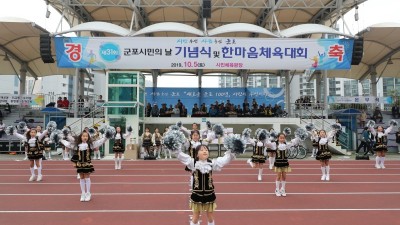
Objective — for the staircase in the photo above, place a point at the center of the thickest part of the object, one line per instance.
(88, 120)
(325, 124)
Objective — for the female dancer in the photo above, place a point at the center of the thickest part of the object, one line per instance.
(380, 146)
(119, 147)
(258, 158)
(271, 152)
(156, 139)
(324, 154)
(83, 145)
(146, 141)
(34, 149)
(167, 151)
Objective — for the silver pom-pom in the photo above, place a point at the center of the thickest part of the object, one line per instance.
(246, 133)
(65, 131)
(21, 125)
(92, 131)
(301, 134)
(336, 126)
(51, 126)
(179, 124)
(218, 130)
(174, 127)
(235, 144)
(56, 136)
(102, 128)
(310, 126)
(209, 125)
(174, 139)
(109, 132)
(393, 123)
(287, 131)
(258, 130)
(10, 130)
(262, 135)
(273, 135)
(370, 123)
(129, 129)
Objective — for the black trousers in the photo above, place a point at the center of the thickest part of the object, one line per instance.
(362, 144)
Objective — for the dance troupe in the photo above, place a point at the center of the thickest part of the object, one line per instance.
(192, 151)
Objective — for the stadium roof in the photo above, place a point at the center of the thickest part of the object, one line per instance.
(381, 53)
(19, 49)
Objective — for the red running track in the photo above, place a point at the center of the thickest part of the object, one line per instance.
(156, 193)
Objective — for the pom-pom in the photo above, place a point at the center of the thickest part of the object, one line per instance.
(65, 131)
(103, 128)
(262, 135)
(310, 126)
(235, 144)
(179, 124)
(92, 131)
(370, 123)
(287, 131)
(301, 134)
(109, 132)
(129, 129)
(336, 126)
(209, 126)
(174, 139)
(393, 123)
(10, 130)
(173, 127)
(55, 136)
(258, 130)
(21, 125)
(246, 133)
(218, 130)
(51, 126)
(273, 135)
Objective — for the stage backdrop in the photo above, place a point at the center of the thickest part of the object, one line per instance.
(190, 96)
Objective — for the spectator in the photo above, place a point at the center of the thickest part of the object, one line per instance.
(221, 110)
(81, 102)
(254, 103)
(213, 111)
(176, 112)
(377, 115)
(398, 140)
(171, 109)
(183, 112)
(246, 111)
(2, 128)
(100, 101)
(239, 111)
(60, 103)
(203, 108)
(155, 111)
(179, 104)
(163, 110)
(395, 111)
(195, 109)
(65, 103)
(8, 108)
(365, 141)
(148, 110)
(245, 103)
(363, 118)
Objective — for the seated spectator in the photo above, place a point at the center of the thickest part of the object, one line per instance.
(148, 110)
(65, 103)
(221, 110)
(254, 103)
(239, 110)
(278, 111)
(268, 112)
(176, 112)
(203, 108)
(213, 111)
(8, 108)
(246, 111)
(195, 109)
(254, 110)
(60, 103)
(245, 103)
(155, 111)
(163, 110)
(183, 112)
(377, 115)
(100, 101)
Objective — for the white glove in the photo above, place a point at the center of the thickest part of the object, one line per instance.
(210, 136)
(323, 141)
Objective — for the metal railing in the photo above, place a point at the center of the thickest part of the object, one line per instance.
(88, 120)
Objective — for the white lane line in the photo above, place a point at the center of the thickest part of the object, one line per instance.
(219, 193)
(226, 182)
(185, 210)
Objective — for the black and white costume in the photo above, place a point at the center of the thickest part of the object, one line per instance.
(156, 139)
(119, 148)
(191, 147)
(380, 145)
(325, 154)
(146, 142)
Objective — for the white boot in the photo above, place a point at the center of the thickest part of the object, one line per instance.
(382, 162)
(260, 171)
(377, 162)
(327, 178)
(211, 223)
(116, 163)
(250, 163)
(323, 173)
(119, 163)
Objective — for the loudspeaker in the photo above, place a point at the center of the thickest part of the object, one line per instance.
(150, 157)
(362, 157)
(45, 48)
(358, 51)
(206, 10)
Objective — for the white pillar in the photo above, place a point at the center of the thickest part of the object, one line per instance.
(154, 74)
(200, 77)
(325, 82)
(318, 87)
(76, 92)
(82, 83)
(287, 92)
(374, 92)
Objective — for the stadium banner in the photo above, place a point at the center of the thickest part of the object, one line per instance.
(190, 96)
(22, 100)
(360, 100)
(179, 53)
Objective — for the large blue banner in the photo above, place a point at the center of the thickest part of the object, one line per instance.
(190, 96)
